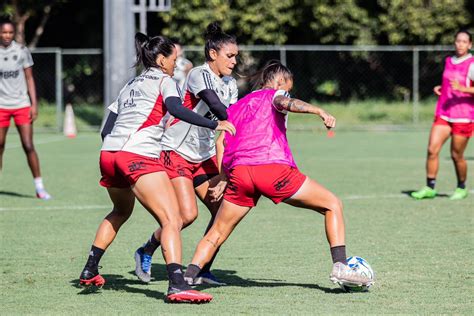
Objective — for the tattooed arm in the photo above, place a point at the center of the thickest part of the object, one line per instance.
(297, 106)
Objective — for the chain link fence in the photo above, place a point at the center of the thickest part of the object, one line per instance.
(325, 74)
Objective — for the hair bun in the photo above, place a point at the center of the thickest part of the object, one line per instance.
(212, 29)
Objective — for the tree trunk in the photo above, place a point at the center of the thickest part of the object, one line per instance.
(40, 29)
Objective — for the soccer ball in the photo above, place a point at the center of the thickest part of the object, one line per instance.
(363, 267)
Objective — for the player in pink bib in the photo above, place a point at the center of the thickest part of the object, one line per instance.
(258, 161)
(454, 117)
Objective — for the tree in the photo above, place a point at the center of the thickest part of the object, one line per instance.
(262, 22)
(21, 11)
(422, 21)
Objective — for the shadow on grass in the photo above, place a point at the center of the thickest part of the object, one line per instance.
(116, 282)
(231, 278)
(15, 194)
(409, 192)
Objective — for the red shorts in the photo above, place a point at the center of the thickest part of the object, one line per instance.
(20, 116)
(177, 166)
(275, 181)
(121, 169)
(461, 129)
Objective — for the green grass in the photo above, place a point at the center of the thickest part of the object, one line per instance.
(276, 262)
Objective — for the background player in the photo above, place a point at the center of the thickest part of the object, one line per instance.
(183, 65)
(189, 154)
(130, 164)
(18, 100)
(258, 162)
(454, 117)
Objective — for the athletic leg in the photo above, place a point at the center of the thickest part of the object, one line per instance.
(227, 218)
(202, 191)
(123, 201)
(438, 136)
(188, 210)
(458, 146)
(3, 138)
(26, 136)
(155, 192)
(314, 196)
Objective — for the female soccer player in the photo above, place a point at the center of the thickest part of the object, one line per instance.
(18, 100)
(258, 161)
(189, 154)
(130, 164)
(454, 117)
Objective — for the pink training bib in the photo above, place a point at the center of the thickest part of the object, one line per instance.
(261, 133)
(455, 106)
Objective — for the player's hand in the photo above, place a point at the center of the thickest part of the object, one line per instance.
(455, 85)
(217, 192)
(33, 112)
(328, 120)
(169, 122)
(226, 126)
(437, 90)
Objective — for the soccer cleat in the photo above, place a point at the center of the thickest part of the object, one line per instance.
(458, 194)
(207, 278)
(343, 275)
(89, 278)
(43, 195)
(425, 193)
(143, 265)
(176, 295)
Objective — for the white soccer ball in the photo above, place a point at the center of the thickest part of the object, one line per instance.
(363, 267)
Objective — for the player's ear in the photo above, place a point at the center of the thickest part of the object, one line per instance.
(160, 60)
(213, 54)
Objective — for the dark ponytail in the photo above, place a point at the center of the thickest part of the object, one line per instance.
(148, 49)
(215, 39)
(268, 73)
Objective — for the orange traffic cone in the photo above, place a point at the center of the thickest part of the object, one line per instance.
(69, 127)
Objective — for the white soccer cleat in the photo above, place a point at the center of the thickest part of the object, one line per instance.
(43, 195)
(343, 275)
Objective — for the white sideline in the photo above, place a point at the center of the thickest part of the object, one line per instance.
(107, 206)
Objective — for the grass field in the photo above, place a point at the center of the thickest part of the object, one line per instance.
(276, 262)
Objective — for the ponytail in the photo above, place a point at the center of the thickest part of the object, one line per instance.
(268, 73)
(147, 49)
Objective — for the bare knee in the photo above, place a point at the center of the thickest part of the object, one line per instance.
(433, 152)
(457, 156)
(29, 148)
(175, 223)
(335, 205)
(119, 216)
(188, 217)
(2, 148)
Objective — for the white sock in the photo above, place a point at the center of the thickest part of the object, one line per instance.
(38, 183)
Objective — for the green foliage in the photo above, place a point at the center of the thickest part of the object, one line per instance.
(262, 22)
(422, 22)
(340, 21)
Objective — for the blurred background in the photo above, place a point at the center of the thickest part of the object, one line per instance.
(371, 63)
